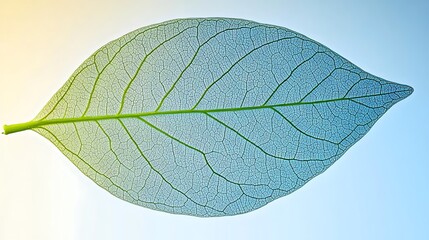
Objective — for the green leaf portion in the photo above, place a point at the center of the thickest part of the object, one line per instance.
(211, 117)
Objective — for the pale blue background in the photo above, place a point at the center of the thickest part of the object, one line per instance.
(377, 190)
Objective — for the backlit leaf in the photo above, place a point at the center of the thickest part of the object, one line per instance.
(211, 117)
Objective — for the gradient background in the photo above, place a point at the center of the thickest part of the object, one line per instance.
(377, 190)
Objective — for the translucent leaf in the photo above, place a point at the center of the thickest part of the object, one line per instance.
(211, 117)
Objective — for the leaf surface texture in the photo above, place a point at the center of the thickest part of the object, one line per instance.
(212, 117)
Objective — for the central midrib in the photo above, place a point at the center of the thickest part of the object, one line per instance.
(172, 112)
(34, 124)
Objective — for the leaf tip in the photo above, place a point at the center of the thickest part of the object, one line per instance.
(408, 90)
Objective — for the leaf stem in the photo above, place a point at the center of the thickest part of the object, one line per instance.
(13, 128)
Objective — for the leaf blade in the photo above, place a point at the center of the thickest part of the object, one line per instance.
(212, 117)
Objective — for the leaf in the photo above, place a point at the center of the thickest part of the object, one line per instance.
(211, 117)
